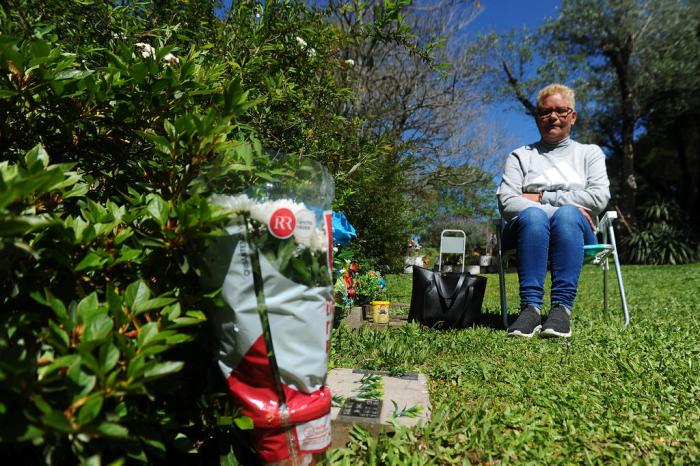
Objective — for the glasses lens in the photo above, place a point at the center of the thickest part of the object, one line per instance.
(560, 111)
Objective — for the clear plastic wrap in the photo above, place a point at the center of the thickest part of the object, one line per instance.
(274, 271)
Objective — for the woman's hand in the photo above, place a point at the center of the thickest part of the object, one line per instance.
(588, 217)
(534, 197)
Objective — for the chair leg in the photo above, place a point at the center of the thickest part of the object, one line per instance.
(605, 286)
(502, 289)
(618, 271)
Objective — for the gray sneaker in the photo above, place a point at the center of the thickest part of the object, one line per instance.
(528, 323)
(557, 323)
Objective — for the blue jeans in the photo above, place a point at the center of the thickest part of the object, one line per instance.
(560, 239)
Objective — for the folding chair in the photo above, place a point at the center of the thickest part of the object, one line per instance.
(597, 254)
(452, 244)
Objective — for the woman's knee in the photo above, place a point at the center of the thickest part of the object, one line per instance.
(568, 216)
(533, 221)
(533, 216)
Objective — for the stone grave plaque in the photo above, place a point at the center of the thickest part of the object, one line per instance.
(405, 389)
(359, 410)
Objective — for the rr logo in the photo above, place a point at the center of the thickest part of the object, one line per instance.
(282, 223)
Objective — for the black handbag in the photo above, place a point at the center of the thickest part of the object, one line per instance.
(446, 299)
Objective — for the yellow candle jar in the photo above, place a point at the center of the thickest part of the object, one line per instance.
(380, 312)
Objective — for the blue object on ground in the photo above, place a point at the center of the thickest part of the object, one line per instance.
(343, 232)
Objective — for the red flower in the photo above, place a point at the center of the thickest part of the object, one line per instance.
(352, 292)
(348, 280)
(354, 267)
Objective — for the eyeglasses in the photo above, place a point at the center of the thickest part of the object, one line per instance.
(562, 112)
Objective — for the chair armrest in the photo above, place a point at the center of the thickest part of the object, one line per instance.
(606, 221)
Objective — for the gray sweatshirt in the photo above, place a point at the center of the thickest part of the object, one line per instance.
(566, 172)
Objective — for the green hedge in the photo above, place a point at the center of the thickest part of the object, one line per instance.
(117, 119)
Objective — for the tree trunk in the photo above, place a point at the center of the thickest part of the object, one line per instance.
(685, 198)
(620, 60)
(629, 192)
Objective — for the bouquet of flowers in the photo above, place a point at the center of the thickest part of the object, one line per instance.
(354, 288)
(370, 286)
(274, 324)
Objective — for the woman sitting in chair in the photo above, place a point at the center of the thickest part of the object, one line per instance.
(549, 193)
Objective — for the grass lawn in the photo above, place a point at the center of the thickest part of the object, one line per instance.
(608, 394)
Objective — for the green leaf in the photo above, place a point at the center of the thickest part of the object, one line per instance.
(178, 338)
(153, 349)
(147, 333)
(94, 460)
(31, 433)
(152, 304)
(136, 294)
(244, 423)
(91, 261)
(136, 367)
(91, 409)
(114, 304)
(127, 254)
(7, 93)
(57, 421)
(41, 404)
(155, 444)
(88, 306)
(139, 72)
(223, 421)
(158, 209)
(110, 429)
(170, 129)
(36, 159)
(21, 225)
(97, 328)
(73, 74)
(83, 382)
(60, 333)
(57, 306)
(123, 236)
(163, 369)
(63, 361)
(109, 356)
(162, 143)
(79, 190)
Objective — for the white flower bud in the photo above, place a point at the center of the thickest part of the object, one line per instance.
(146, 50)
(171, 59)
(301, 42)
(350, 62)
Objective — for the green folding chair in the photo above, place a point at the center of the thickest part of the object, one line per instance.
(597, 254)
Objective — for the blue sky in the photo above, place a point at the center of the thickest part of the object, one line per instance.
(500, 16)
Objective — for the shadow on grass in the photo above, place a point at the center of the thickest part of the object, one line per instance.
(494, 321)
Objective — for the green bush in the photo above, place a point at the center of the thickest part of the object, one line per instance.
(662, 237)
(86, 343)
(117, 119)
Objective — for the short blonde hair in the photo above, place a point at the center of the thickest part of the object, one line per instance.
(566, 92)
